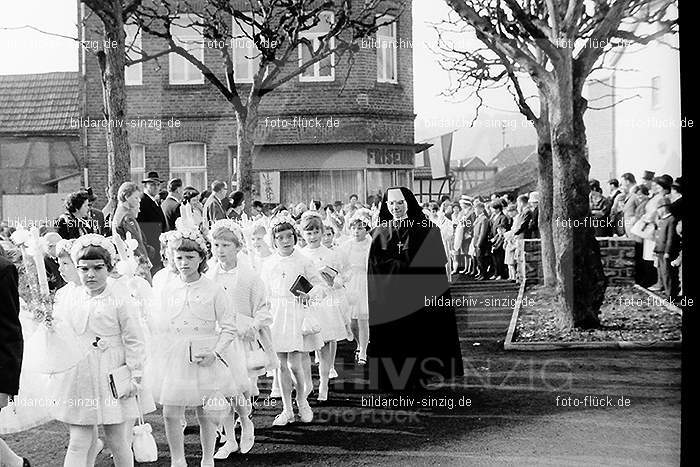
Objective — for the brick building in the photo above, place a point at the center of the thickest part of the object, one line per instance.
(364, 141)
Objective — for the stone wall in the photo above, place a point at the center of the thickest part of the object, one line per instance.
(617, 255)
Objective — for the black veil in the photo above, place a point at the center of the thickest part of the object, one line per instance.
(413, 211)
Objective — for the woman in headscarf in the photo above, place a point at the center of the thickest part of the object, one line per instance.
(413, 329)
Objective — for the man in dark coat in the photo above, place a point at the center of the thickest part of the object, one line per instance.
(413, 329)
(11, 348)
(482, 247)
(499, 220)
(96, 219)
(171, 204)
(213, 207)
(151, 219)
(11, 343)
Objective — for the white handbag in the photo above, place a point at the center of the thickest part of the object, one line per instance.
(256, 358)
(144, 445)
(310, 325)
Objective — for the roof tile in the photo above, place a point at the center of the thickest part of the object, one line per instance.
(38, 103)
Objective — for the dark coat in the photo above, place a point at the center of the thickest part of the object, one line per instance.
(152, 223)
(213, 210)
(171, 211)
(11, 342)
(501, 220)
(482, 228)
(406, 265)
(97, 222)
(70, 227)
(666, 239)
(534, 227)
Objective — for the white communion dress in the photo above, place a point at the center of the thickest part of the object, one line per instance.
(329, 310)
(355, 254)
(108, 326)
(279, 273)
(190, 313)
(247, 295)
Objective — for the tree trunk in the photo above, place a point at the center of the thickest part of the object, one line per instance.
(245, 136)
(580, 279)
(112, 61)
(544, 188)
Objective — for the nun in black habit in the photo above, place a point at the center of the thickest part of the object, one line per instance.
(413, 332)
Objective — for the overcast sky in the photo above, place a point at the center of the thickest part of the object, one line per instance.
(27, 51)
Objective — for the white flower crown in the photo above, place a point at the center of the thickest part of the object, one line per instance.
(64, 246)
(362, 214)
(227, 224)
(92, 240)
(281, 218)
(189, 234)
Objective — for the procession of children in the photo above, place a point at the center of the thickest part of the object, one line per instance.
(243, 302)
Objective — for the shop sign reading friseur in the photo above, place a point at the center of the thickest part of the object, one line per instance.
(390, 156)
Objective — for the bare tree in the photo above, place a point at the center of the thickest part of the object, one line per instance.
(112, 59)
(556, 44)
(277, 29)
(479, 69)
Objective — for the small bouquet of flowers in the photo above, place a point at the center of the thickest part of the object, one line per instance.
(52, 347)
(34, 285)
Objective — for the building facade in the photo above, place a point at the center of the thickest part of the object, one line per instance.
(331, 132)
(634, 118)
(471, 172)
(39, 151)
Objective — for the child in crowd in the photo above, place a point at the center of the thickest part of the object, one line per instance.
(667, 248)
(328, 311)
(195, 325)
(259, 250)
(107, 326)
(329, 233)
(330, 241)
(290, 338)
(355, 251)
(247, 294)
(169, 271)
(511, 246)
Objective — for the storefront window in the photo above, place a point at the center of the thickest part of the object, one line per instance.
(326, 186)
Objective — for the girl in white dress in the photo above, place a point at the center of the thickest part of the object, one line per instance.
(330, 241)
(169, 271)
(194, 326)
(106, 325)
(247, 294)
(259, 250)
(290, 341)
(327, 311)
(356, 252)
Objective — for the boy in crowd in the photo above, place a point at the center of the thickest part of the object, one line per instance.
(667, 248)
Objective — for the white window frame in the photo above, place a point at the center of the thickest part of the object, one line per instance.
(314, 38)
(251, 52)
(188, 169)
(382, 51)
(136, 170)
(192, 73)
(133, 40)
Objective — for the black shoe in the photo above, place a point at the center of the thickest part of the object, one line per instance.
(25, 462)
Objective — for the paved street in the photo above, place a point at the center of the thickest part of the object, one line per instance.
(513, 418)
(509, 412)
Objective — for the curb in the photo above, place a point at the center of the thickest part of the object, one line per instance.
(669, 306)
(619, 345)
